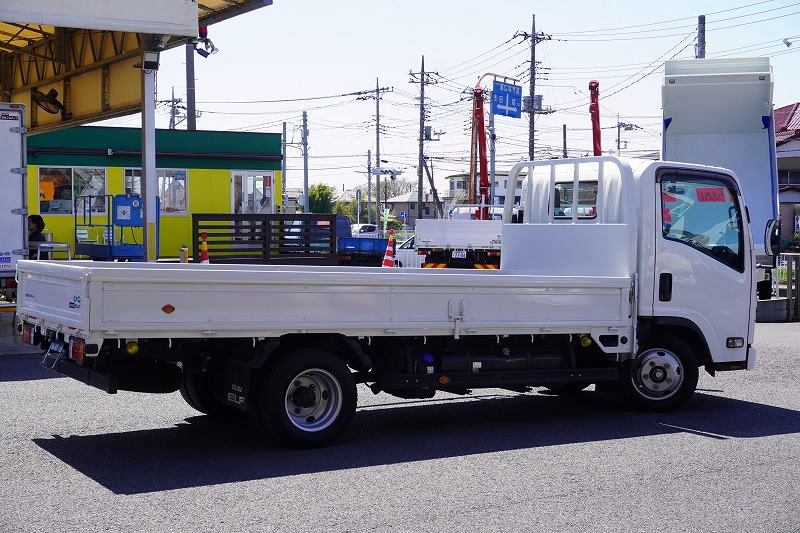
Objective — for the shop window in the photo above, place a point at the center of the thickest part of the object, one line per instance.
(171, 188)
(61, 190)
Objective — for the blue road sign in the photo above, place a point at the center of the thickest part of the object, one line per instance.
(403, 215)
(507, 99)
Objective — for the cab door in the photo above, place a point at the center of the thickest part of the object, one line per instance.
(703, 264)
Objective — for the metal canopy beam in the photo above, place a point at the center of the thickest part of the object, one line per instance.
(234, 9)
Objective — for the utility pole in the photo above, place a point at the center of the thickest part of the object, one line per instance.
(423, 78)
(421, 160)
(564, 135)
(369, 186)
(283, 170)
(305, 163)
(492, 151)
(377, 152)
(532, 115)
(173, 110)
(535, 39)
(701, 37)
(368, 94)
(191, 111)
(437, 202)
(626, 127)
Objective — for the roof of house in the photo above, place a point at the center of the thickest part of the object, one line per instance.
(787, 123)
(410, 196)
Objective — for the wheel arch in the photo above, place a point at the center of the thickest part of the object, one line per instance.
(346, 348)
(682, 328)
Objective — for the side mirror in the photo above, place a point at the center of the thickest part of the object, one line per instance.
(772, 238)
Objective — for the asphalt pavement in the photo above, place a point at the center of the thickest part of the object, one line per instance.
(73, 458)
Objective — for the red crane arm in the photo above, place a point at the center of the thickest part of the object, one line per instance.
(594, 112)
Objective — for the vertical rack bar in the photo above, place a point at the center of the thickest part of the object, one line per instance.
(600, 215)
(575, 185)
(551, 193)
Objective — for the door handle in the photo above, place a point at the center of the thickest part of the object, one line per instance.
(665, 287)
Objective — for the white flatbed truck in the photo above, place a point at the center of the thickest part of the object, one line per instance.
(659, 283)
(458, 243)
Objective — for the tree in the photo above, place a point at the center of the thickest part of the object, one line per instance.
(320, 198)
(391, 188)
(351, 210)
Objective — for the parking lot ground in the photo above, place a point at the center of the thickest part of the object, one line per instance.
(74, 458)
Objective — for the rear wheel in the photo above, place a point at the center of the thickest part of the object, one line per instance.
(307, 399)
(196, 389)
(664, 374)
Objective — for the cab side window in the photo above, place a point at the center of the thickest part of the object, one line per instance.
(704, 214)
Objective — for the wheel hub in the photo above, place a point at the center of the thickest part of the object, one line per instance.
(313, 400)
(304, 397)
(657, 374)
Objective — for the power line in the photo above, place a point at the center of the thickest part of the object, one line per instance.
(581, 32)
(676, 34)
(306, 99)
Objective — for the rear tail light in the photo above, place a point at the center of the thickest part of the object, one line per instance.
(77, 349)
(8, 283)
(422, 251)
(493, 254)
(29, 334)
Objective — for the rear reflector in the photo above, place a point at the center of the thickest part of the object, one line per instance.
(77, 349)
(28, 333)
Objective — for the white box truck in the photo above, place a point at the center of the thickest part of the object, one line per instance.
(657, 284)
(13, 208)
(719, 112)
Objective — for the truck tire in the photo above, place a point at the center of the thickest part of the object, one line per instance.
(307, 398)
(664, 374)
(196, 390)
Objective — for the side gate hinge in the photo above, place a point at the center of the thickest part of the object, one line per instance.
(20, 211)
(18, 129)
(19, 252)
(18, 170)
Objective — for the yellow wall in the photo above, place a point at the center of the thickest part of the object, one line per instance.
(208, 191)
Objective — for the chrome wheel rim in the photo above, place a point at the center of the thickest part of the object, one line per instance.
(313, 400)
(657, 374)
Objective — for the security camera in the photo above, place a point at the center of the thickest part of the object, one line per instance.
(160, 41)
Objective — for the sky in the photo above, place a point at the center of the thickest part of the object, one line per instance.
(306, 49)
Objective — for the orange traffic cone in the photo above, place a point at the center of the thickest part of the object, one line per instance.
(204, 248)
(388, 257)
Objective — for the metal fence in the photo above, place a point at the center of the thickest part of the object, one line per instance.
(266, 239)
(786, 283)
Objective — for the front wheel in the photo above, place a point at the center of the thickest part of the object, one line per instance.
(307, 399)
(664, 374)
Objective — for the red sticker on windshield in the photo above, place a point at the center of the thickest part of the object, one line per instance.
(666, 214)
(667, 198)
(711, 194)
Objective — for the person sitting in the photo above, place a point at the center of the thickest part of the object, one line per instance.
(35, 227)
